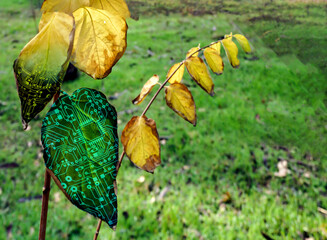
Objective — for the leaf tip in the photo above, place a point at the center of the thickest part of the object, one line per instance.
(212, 92)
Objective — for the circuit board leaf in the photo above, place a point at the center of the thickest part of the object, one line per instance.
(79, 136)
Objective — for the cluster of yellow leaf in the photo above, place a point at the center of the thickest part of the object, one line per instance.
(91, 34)
(140, 137)
(100, 32)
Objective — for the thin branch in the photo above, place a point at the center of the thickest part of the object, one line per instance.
(45, 202)
(45, 195)
(98, 230)
(145, 111)
(120, 160)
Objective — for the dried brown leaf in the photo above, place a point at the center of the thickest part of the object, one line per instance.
(178, 76)
(146, 89)
(180, 99)
(200, 74)
(141, 143)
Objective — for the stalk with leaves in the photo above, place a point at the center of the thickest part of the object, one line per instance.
(140, 137)
(79, 133)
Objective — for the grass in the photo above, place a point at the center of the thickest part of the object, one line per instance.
(272, 108)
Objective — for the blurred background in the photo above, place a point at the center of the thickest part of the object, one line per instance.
(253, 168)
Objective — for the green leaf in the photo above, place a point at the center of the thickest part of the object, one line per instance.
(79, 136)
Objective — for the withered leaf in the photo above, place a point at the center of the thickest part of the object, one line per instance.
(100, 41)
(146, 89)
(214, 60)
(141, 143)
(243, 42)
(66, 6)
(200, 74)
(119, 6)
(69, 6)
(178, 76)
(180, 99)
(216, 46)
(231, 52)
(193, 50)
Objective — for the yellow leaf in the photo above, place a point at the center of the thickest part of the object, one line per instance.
(193, 50)
(100, 41)
(200, 74)
(141, 143)
(231, 52)
(214, 60)
(42, 64)
(243, 42)
(216, 46)
(177, 77)
(66, 6)
(146, 89)
(119, 6)
(46, 18)
(180, 99)
(70, 6)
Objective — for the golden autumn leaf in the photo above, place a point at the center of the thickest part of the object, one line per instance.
(141, 143)
(193, 50)
(178, 76)
(216, 46)
(200, 74)
(100, 41)
(243, 42)
(231, 52)
(69, 6)
(42, 64)
(119, 6)
(66, 6)
(214, 60)
(146, 89)
(180, 99)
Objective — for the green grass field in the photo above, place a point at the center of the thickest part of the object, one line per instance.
(271, 109)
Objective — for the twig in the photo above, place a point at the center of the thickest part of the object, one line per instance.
(144, 112)
(98, 230)
(45, 202)
(45, 195)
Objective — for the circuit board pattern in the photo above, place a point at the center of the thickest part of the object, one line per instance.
(79, 136)
(35, 90)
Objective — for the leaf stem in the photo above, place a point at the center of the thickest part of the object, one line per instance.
(98, 230)
(45, 202)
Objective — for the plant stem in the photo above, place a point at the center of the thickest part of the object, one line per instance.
(98, 230)
(45, 202)
(144, 112)
(45, 195)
